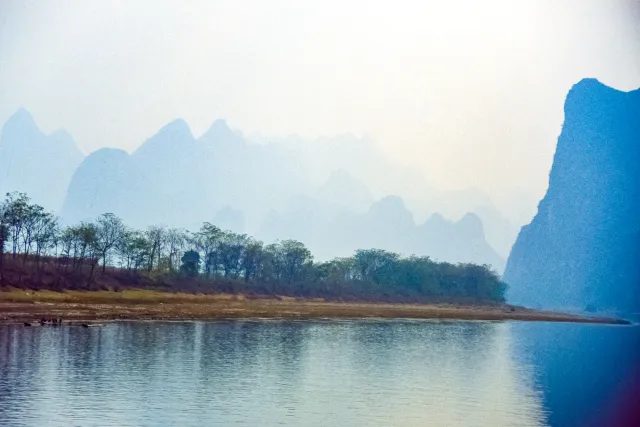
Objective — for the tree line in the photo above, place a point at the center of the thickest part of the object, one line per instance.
(37, 249)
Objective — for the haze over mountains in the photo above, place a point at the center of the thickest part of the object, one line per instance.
(37, 163)
(582, 249)
(334, 194)
(340, 194)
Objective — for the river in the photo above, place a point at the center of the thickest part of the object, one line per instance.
(319, 373)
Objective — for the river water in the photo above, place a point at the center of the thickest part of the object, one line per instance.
(320, 373)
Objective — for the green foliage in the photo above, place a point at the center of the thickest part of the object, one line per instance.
(190, 263)
(236, 262)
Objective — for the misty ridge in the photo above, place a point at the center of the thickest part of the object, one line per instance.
(334, 194)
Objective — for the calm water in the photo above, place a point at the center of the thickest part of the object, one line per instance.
(351, 373)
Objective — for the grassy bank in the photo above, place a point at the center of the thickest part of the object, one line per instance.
(18, 306)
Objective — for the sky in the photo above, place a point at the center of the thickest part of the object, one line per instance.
(470, 92)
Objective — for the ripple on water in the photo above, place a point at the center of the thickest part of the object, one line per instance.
(262, 373)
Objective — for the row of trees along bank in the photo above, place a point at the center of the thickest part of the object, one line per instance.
(37, 251)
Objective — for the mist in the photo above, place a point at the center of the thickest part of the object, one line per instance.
(468, 93)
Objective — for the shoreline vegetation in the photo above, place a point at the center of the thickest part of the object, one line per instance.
(38, 251)
(104, 270)
(18, 306)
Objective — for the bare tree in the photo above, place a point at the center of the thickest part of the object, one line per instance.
(176, 239)
(155, 235)
(110, 230)
(4, 235)
(17, 205)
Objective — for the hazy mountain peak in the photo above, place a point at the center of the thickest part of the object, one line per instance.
(21, 115)
(106, 154)
(390, 202)
(221, 134)
(391, 208)
(342, 188)
(61, 135)
(29, 158)
(20, 124)
(171, 137)
(219, 127)
(176, 129)
(436, 220)
(470, 225)
(63, 138)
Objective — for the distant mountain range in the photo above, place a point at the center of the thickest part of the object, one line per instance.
(582, 249)
(387, 224)
(276, 189)
(33, 162)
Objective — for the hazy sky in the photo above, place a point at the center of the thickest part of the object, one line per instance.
(469, 91)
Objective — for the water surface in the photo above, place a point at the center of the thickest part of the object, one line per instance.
(333, 373)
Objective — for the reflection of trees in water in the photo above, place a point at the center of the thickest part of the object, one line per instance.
(461, 373)
(261, 372)
(39, 364)
(16, 378)
(453, 373)
(250, 351)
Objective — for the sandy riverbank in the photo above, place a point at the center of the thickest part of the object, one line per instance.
(18, 306)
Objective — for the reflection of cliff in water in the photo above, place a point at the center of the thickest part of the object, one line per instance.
(590, 374)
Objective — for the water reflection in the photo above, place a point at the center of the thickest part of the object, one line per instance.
(590, 374)
(366, 373)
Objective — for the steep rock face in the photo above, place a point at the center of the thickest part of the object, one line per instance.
(581, 248)
(37, 164)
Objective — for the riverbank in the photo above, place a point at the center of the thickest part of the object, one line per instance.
(19, 306)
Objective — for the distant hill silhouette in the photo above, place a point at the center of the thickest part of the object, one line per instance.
(38, 164)
(322, 192)
(388, 224)
(582, 248)
(174, 178)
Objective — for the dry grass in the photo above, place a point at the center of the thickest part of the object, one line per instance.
(129, 296)
(17, 306)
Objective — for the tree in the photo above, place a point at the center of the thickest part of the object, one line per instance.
(156, 237)
(17, 205)
(253, 259)
(134, 250)
(375, 264)
(231, 249)
(44, 233)
(30, 234)
(206, 242)
(79, 245)
(176, 239)
(4, 235)
(293, 257)
(109, 232)
(190, 263)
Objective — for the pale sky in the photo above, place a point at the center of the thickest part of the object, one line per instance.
(471, 92)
